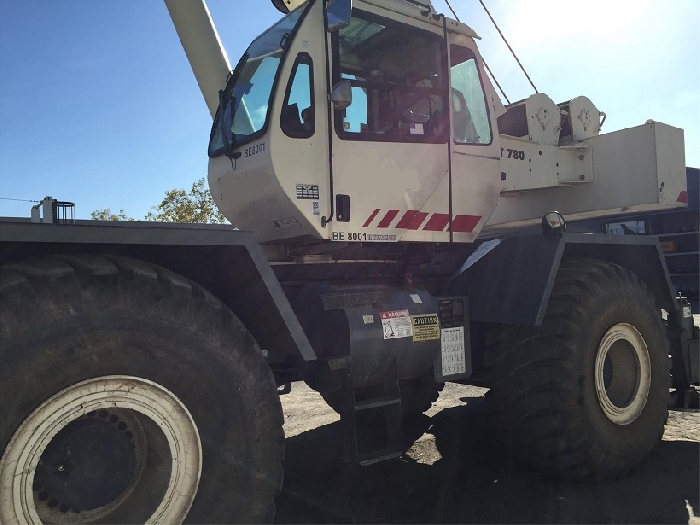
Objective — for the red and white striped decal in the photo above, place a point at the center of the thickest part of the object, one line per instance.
(416, 220)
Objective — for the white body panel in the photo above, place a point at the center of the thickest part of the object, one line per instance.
(635, 170)
(526, 165)
(386, 180)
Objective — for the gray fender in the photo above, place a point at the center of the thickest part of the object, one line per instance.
(509, 280)
(228, 263)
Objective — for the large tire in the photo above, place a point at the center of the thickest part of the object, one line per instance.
(585, 394)
(417, 395)
(146, 380)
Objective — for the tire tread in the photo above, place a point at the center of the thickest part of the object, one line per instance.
(535, 394)
(42, 290)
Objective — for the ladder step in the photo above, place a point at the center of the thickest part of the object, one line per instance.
(376, 403)
(371, 416)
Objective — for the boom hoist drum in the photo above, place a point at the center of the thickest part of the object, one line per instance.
(536, 118)
(581, 120)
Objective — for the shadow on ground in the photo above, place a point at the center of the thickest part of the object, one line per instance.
(474, 481)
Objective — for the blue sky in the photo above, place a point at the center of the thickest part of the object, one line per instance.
(98, 104)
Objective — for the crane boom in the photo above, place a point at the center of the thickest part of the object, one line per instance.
(203, 47)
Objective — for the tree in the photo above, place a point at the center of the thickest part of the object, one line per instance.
(177, 206)
(195, 206)
(107, 215)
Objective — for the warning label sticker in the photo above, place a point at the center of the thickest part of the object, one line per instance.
(286, 223)
(307, 191)
(452, 345)
(425, 327)
(396, 324)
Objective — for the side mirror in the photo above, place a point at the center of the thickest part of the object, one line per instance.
(341, 96)
(338, 13)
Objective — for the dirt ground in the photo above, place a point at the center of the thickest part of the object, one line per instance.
(453, 471)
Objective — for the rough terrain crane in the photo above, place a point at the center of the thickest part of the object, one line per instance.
(397, 231)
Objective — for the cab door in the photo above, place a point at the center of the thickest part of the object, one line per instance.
(390, 150)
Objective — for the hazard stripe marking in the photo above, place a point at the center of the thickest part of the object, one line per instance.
(417, 220)
(370, 218)
(465, 223)
(405, 221)
(437, 222)
(386, 221)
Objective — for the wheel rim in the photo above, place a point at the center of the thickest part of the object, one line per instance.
(622, 374)
(116, 447)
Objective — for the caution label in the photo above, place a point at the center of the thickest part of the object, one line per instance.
(396, 324)
(425, 327)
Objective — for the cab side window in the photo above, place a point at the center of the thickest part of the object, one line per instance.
(470, 115)
(297, 115)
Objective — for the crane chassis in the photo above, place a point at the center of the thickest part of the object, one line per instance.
(402, 235)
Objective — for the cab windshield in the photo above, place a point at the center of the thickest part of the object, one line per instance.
(244, 103)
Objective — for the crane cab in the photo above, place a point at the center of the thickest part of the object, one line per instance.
(369, 122)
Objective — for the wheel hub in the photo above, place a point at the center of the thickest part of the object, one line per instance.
(622, 374)
(88, 464)
(108, 449)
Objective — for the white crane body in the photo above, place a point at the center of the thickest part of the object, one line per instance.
(397, 174)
